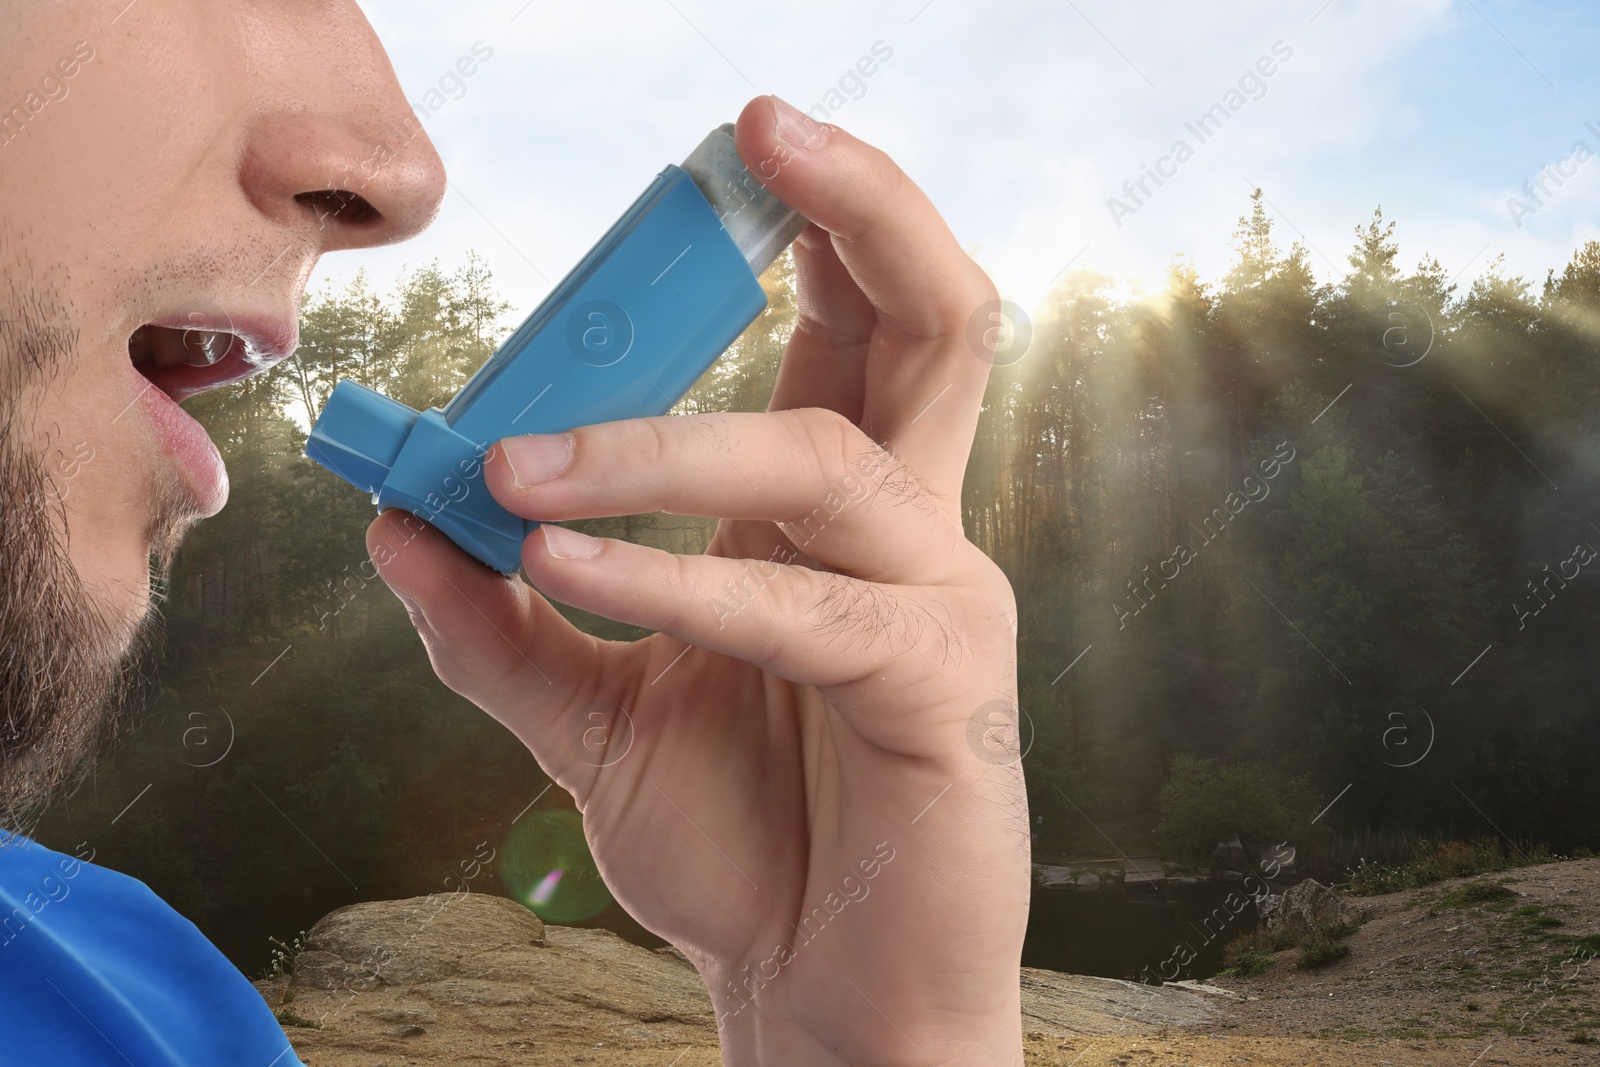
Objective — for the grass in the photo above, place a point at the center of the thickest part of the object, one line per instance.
(1246, 957)
(1489, 896)
(287, 1017)
(1547, 997)
(1411, 864)
(1533, 917)
(1250, 954)
(283, 956)
(1587, 947)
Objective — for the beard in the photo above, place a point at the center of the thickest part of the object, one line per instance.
(70, 677)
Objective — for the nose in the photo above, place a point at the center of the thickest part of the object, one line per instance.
(337, 152)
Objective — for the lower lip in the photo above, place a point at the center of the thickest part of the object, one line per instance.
(188, 444)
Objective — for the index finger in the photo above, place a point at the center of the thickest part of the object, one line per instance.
(924, 384)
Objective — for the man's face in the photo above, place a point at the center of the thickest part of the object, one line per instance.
(170, 170)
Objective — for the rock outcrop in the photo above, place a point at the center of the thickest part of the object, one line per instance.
(1306, 906)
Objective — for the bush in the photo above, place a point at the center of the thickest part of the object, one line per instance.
(1250, 954)
(1203, 803)
(1246, 957)
(1320, 948)
(1340, 929)
(1282, 938)
(1435, 863)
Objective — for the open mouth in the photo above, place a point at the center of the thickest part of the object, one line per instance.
(185, 361)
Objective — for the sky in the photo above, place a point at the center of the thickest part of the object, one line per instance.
(1022, 120)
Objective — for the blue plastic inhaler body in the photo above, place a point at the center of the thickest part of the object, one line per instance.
(624, 335)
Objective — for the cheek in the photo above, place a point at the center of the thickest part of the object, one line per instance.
(98, 461)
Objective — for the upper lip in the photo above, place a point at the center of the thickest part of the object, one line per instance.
(259, 342)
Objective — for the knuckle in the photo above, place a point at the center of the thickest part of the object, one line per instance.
(981, 287)
(855, 615)
(478, 678)
(679, 578)
(679, 574)
(642, 473)
(830, 440)
(883, 172)
(876, 172)
(974, 290)
(995, 585)
(813, 323)
(797, 596)
(651, 442)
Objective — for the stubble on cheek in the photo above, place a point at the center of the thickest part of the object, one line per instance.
(70, 677)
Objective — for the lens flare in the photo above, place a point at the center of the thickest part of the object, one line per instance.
(548, 869)
(545, 889)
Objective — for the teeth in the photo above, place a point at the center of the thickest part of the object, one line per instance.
(202, 348)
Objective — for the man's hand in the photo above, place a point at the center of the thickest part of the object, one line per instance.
(800, 805)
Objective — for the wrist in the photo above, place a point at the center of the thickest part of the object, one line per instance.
(754, 1037)
(855, 1027)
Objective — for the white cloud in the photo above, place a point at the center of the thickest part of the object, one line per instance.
(1019, 119)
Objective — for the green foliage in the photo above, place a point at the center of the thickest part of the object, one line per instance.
(1281, 938)
(1238, 692)
(1252, 953)
(1480, 894)
(1320, 948)
(1533, 917)
(1340, 929)
(1586, 947)
(1203, 803)
(418, 347)
(288, 1017)
(299, 752)
(1245, 957)
(1435, 863)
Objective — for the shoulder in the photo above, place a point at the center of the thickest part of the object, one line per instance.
(32, 878)
(90, 957)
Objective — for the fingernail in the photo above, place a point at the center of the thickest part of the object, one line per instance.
(794, 127)
(537, 457)
(563, 543)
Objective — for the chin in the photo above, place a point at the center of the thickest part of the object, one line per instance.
(129, 598)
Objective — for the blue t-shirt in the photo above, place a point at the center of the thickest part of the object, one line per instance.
(96, 969)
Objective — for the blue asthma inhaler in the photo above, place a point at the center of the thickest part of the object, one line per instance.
(669, 287)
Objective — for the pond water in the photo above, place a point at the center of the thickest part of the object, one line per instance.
(1161, 931)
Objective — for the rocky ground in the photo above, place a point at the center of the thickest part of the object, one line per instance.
(1455, 974)
(1506, 966)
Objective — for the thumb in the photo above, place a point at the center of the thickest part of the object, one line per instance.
(490, 637)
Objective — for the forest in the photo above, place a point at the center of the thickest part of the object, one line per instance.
(1295, 560)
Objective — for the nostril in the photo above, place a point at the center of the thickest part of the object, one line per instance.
(340, 205)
